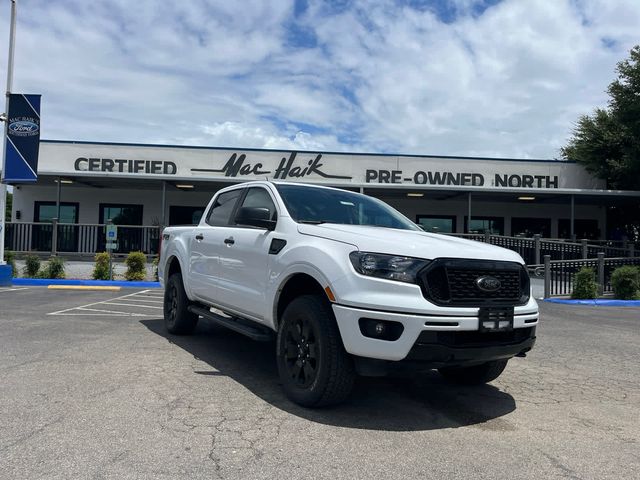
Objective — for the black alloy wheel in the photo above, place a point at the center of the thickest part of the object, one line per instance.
(177, 317)
(301, 352)
(314, 368)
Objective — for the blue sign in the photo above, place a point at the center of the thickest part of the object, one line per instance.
(23, 139)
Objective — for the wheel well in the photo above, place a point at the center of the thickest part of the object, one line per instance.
(296, 285)
(173, 267)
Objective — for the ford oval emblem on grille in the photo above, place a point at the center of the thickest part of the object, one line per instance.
(488, 284)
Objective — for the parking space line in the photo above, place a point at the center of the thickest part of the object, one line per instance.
(135, 299)
(61, 312)
(112, 312)
(13, 289)
(130, 305)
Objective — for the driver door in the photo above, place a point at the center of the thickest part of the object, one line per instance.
(244, 259)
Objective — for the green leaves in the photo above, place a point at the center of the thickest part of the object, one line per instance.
(607, 142)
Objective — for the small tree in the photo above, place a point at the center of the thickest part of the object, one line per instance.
(625, 282)
(156, 260)
(54, 269)
(584, 284)
(32, 266)
(101, 268)
(136, 266)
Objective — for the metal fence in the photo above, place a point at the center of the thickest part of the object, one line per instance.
(87, 239)
(559, 274)
(533, 250)
(79, 238)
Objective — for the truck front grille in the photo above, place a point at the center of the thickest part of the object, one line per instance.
(454, 282)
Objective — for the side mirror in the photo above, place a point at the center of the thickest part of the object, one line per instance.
(255, 217)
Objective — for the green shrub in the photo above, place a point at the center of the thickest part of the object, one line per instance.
(584, 284)
(136, 266)
(625, 282)
(54, 269)
(32, 266)
(101, 268)
(10, 258)
(155, 268)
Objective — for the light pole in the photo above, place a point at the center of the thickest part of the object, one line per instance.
(3, 187)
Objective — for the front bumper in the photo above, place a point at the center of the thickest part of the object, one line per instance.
(420, 341)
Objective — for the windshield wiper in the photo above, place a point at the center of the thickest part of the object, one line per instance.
(312, 222)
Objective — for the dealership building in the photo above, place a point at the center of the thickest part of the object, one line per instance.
(89, 183)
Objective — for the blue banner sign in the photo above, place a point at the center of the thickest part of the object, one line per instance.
(22, 139)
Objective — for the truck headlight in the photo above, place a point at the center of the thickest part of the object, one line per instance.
(389, 267)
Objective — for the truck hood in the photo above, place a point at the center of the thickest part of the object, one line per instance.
(408, 243)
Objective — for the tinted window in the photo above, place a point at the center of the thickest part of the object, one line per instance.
(121, 214)
(437, 223)
(492, 225)
(222, 208)
(259, 197)
(323, 205)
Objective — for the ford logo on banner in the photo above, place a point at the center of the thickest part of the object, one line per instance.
(24, 128)
(23, 139)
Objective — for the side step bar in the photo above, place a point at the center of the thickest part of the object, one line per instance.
(255, 331)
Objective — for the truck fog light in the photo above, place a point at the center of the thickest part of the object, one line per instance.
(381, 329)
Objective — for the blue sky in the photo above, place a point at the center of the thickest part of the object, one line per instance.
(461, 77)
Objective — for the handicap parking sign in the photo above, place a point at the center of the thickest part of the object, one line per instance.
(112, 232)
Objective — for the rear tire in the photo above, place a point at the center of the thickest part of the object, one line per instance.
(177, 317)
(476, 375)
(313, 365)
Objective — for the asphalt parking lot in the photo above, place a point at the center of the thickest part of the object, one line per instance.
(93, 387)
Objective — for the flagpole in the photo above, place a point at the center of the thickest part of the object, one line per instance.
(3, 187)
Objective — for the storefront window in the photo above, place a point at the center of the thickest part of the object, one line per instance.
(493, 225)
(528, 227)
(121, 214)
(179, 215)
(437, 223)
(583, 228)
(47, 211)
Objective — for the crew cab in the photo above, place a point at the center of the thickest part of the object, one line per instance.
(345, 285)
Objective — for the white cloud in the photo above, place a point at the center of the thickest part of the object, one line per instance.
(508, 80)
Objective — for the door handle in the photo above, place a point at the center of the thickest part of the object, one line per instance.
(199, 236)
(229, 241)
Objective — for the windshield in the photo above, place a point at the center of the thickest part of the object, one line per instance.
(321, 205)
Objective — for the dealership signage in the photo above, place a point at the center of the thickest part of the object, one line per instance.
(63, 158)
(22, 140)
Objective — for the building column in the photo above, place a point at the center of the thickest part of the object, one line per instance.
(163, 215)
(572, 218)
(468, 213)
(58, 194)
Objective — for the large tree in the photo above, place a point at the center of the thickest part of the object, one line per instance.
(608, 141)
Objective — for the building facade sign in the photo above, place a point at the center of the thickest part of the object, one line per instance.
(200, 164)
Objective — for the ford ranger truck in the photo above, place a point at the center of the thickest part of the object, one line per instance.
(346, 285)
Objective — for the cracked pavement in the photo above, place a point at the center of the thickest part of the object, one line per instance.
(116, 397)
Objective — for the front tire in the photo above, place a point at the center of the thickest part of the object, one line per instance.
(177, 317)
(313, 365)
(475, 375)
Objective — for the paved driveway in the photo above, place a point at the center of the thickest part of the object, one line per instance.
(101, 391)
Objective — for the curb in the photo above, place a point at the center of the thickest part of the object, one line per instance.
(44, 282)
(596, 302)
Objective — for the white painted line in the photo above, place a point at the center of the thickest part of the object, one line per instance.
(92, 304)
(12, 289)
(135, 299)
(115, 312)
(130, 305)
(102, 315)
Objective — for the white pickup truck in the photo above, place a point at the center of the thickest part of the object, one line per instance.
(345, 285)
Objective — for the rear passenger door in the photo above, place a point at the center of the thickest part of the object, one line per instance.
(207, 243)
(244, 259)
